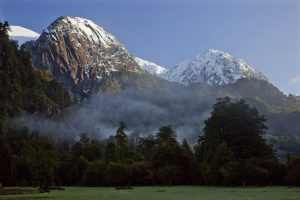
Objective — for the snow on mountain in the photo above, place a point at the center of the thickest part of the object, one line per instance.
(22, 34)
(150, 67)
(80, 54)
(213, 67)
(83, 27)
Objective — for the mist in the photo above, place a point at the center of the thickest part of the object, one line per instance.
(144, 112)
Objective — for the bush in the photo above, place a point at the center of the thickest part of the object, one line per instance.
(276, 171)
(293, 173)
(117, 174)
(142, 173)
(94, 175)
(169, 175)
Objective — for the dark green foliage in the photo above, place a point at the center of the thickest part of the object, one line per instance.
(169, 159)
(146, 146)
(293, 173)
(57, 93)
(122, 141)
(90, 150)
(190, 165)
(94, 175)
(118, 147)
(121, 137)
(263, 95)
(216, 165)
(72, 170)
(23, 87)
(255, 171)
(142, 173)
(117, 174)
(27, 159)
(233, 151)
(111, 152)
(240, 126)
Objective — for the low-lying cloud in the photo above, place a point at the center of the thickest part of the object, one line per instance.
(143, 111)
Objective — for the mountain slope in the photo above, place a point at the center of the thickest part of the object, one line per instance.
(22, 34)
(150, 67)
(25, 89)
(80, 54)
(213, 67)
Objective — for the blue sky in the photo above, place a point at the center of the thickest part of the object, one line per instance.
(265, 33)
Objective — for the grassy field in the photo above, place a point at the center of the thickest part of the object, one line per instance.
(166, 193)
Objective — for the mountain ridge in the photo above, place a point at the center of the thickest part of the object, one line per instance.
(150, 67)
(213, 67)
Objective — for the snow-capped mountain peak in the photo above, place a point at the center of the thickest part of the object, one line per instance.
(80, 54)
(213, 67)
(83, 27)
(22, 34)
(150, 67)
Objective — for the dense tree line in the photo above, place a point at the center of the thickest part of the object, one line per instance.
(231, 151)
(24, 88)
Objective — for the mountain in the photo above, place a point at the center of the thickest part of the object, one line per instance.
(150, 67)
(87, 60)
(22, 34)
(213, 67)
(81, 55)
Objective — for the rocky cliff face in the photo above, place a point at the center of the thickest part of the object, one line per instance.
(80, 54)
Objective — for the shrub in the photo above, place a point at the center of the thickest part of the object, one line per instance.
(94, 175)
(117, 174)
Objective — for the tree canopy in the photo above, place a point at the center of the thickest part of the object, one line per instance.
(240, 127)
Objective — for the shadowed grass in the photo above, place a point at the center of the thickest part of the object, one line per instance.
(166, 193)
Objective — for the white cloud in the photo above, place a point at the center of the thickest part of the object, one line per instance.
(294, 85)
(295, 80)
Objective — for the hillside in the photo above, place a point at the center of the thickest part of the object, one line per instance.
(25, 88)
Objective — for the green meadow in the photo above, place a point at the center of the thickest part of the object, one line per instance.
(164, 193)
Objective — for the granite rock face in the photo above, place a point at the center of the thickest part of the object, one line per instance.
(80, 54)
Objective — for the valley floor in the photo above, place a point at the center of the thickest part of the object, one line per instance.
(164, 193)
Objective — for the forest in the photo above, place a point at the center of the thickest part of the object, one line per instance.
(231, 152)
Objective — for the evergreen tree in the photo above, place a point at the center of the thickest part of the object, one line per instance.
(168, 157)
(4, 29)
(240, 127)
(232, 150)
(121, 137)
(122, 141)
(111, 153)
